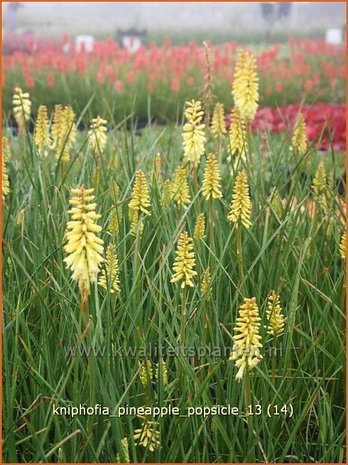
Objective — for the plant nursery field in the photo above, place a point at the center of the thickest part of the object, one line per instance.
(174, 291)
(164, 76)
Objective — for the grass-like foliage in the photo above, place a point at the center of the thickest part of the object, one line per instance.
(61, 350)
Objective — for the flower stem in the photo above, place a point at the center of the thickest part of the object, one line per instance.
(136, 265)
(183, 318)
(182, 334)
(273, 359)
(250, 418)
(84, 311)
(194, 178)
(211, 229)
(240, 259)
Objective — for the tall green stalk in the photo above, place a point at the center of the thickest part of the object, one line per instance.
(182, 335)
(240, 260)
(211, 229)
(250, 418)
(183, 318)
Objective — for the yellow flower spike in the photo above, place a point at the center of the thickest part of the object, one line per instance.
(343, 245)
(136, 222)
(5, 180)
(161, 372)
(206, 289)
(158, 165)
(199, 231)
(114, 221)
(97, 134)
(125, 450)
(320, 185)
(207, 87)
(275, 318)
(140, 199)
(180, 188)
(247, 341)
(21, 107)
(84, 249)
(240, 212)
(57, 126)
(20, 217)
(237, 135)
(148, 435)
(299, 141)
(184, 264)
(218, 126)
(139, 203)
(276, 202)
(330, 182)
(167, 195)
(42, 137)
(212, 178)
(6, 149)
(63, 131)
(319, 180)
(193, 132)
(145, 372)
(245, 88)
(109, 276)
(70, 131)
